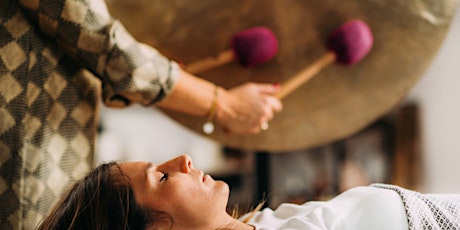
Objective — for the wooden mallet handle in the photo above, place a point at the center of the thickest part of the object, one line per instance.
(249, 47)
(203, 65)
(306, 74)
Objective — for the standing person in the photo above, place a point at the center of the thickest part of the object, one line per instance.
(58, 59)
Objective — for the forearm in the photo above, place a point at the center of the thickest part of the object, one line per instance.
(191, 95)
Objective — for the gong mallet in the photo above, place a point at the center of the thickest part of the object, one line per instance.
(347, 45)
(249, 47)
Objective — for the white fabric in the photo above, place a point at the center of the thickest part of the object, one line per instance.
(358, 208)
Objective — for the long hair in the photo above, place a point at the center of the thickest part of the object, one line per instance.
(102, 200)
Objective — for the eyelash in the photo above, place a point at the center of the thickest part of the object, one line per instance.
(164, 177)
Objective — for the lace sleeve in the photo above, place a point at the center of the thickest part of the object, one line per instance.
(429, 211)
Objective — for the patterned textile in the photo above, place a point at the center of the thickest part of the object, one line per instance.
(58, 59)
(429, 211)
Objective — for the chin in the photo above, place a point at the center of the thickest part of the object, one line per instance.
(224, 193)
(222, 188)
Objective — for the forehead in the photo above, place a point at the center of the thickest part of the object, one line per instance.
(129, 173)
(135, 167)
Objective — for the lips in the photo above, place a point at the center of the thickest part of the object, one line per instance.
(205, 177)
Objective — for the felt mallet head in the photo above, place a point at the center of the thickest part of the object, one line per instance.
(254, 46)
(351, 42)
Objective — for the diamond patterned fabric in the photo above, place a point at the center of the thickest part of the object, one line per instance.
(429, 211)
(58, 59)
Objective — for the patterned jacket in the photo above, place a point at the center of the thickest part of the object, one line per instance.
(58, 60)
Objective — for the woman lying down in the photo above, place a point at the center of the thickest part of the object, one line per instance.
(175, 195)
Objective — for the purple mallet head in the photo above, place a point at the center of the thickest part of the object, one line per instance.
(254, 46)
(351, 41)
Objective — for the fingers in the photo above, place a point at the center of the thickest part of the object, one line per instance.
(260, 123)
(274, 103)
(250, 109)
(269, 89)
(270, 103)
(269, 106)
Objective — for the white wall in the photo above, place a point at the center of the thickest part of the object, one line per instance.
(146, 134)
(438, 94)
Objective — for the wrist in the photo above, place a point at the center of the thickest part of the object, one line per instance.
(208, 126)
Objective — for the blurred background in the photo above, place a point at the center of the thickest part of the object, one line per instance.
(415, 145)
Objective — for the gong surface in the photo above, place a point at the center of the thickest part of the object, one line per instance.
(337, 102)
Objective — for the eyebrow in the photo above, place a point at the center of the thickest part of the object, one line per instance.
(148, 166)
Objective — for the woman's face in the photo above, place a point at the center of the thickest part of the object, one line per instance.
(190, 197)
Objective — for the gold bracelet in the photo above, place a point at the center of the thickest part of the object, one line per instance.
(208, 126)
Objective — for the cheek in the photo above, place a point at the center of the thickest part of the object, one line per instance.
(189, 201)
(193, 199)
(175, 195)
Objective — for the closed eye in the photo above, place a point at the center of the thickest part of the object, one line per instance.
(164, 177)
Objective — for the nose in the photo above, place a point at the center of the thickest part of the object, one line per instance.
(186, 164)
(181, 163)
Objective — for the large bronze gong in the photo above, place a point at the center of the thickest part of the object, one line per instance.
(340, 100)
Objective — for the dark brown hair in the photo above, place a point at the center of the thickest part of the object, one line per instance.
(103, 199)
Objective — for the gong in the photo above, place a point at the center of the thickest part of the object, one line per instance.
(340, 100)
